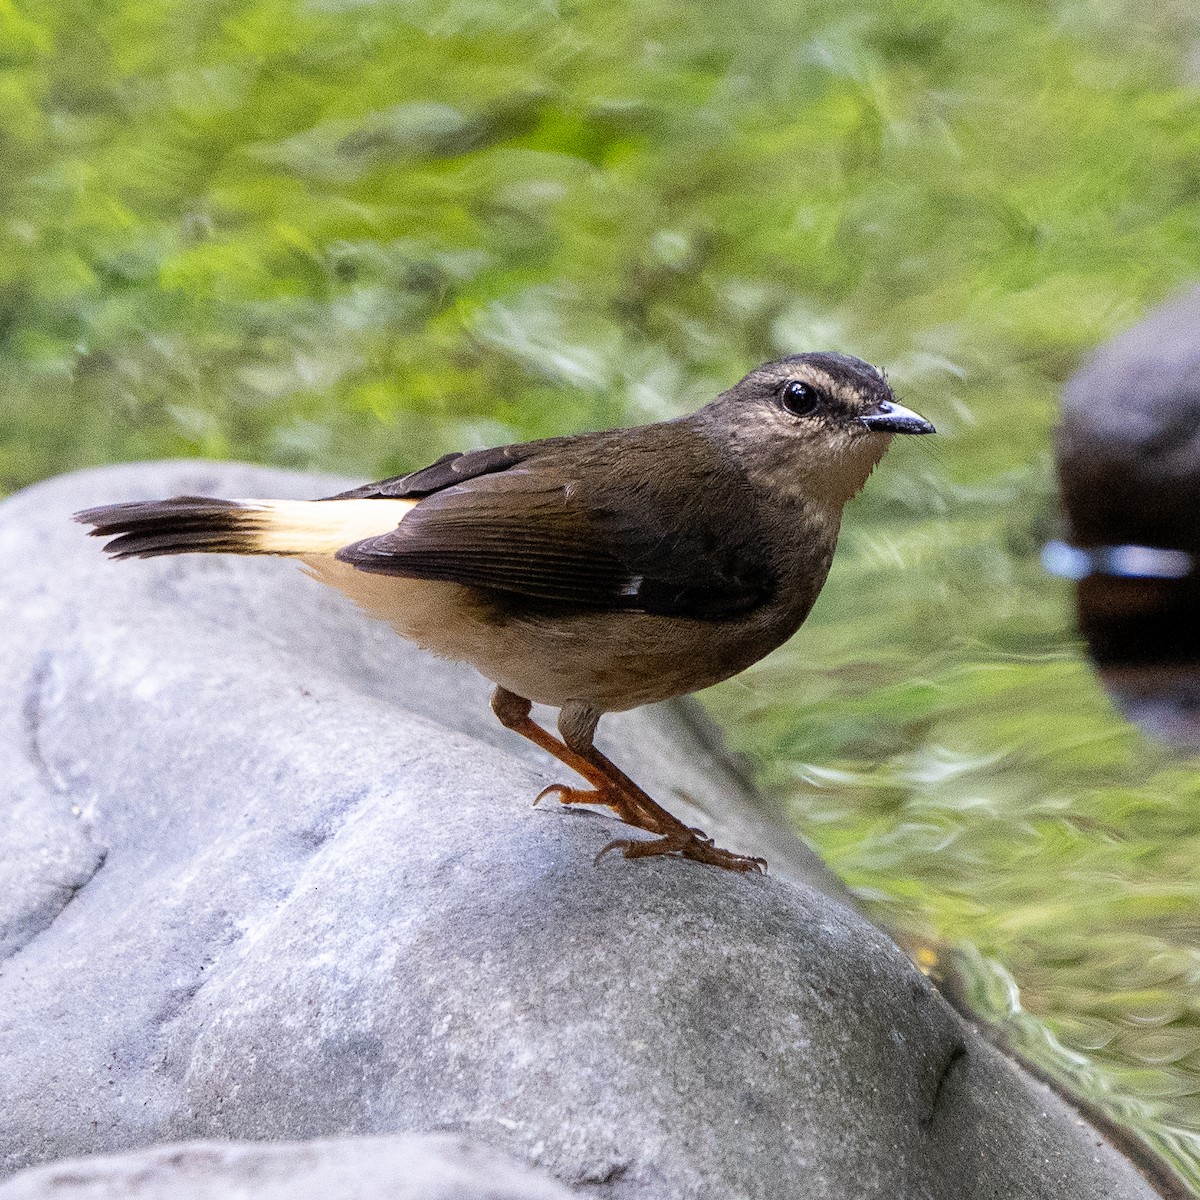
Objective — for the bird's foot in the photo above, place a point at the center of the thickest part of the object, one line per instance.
(689, 843)
(569, 795)
(678, 839)
(626, 807)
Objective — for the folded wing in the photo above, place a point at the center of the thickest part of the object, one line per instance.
(593, 526)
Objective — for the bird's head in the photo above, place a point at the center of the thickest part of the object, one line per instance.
(812, 424)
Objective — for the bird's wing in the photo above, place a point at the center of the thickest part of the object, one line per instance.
(600, 526)
(449, 470)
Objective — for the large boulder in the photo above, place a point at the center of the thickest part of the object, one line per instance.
(272, 874)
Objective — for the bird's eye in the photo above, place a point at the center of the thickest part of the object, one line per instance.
(800, 399)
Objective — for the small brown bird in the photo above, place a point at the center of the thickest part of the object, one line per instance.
(594, 573)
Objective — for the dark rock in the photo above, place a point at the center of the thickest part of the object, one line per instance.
(1129, 469)
(275, 875)
(1129, 442)
(411, 1167)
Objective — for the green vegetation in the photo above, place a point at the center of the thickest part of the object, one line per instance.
(352, 235)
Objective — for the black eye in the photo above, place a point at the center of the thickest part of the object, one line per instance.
(800, 399)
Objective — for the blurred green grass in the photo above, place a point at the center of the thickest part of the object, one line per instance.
(352, 235)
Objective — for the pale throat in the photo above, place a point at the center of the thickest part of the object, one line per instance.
(822, 482)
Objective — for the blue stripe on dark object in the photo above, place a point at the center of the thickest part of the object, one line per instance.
(1129, 562)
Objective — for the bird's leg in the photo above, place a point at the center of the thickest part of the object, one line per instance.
(577, 724)
(611, 786)
(513, 713)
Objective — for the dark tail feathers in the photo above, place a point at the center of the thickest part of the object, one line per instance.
(182, 525)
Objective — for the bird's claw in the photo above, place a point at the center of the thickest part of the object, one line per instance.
(569, 795)
(676, 839)
(698, 848)
(624, 806)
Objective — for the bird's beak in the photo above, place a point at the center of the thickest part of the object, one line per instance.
(889, 417)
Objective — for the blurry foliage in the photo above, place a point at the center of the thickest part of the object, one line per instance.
(353, 235)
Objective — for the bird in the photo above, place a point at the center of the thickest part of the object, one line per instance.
(595, 572)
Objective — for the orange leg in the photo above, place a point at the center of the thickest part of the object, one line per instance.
(611, 786)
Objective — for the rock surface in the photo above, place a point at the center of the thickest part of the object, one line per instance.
(409, 1167)
(272, 874)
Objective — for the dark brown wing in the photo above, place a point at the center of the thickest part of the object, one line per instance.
(446, 472)
(650, 520)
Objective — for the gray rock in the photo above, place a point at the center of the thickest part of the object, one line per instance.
(275, 875)
(412, 1167)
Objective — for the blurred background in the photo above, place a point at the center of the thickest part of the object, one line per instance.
(352, 235)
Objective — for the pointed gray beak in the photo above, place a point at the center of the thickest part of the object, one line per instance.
(889, 417)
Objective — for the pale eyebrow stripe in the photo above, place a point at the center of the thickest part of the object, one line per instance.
(847, 395)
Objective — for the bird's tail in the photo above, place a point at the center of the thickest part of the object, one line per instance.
(201, 525)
